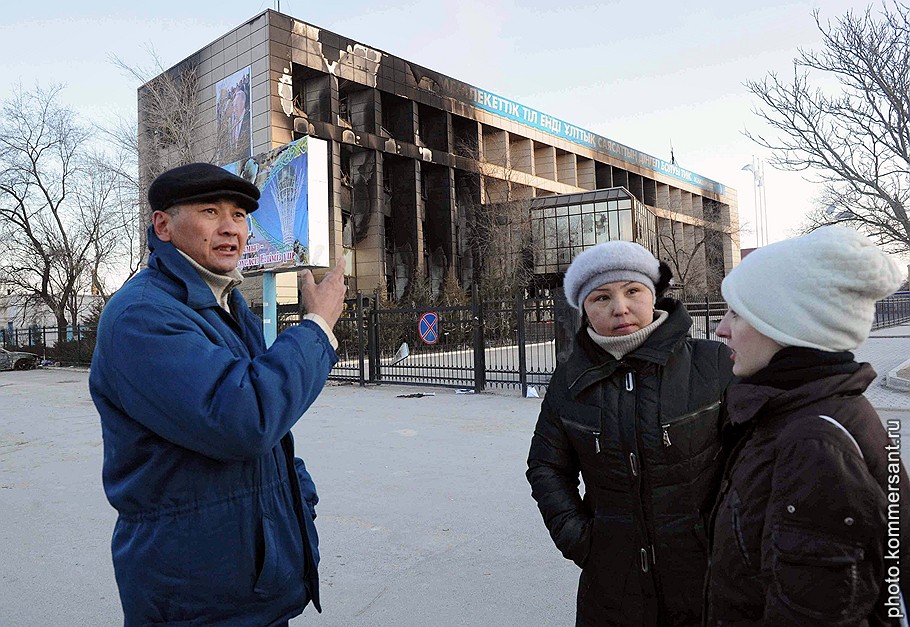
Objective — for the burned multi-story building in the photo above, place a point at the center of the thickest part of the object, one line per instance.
(416, 158)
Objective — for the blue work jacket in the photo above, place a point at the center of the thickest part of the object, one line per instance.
(215, 522)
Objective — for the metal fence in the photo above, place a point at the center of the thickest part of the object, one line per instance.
(74, 346)
(471, 346)
(504, 343)
(513, 343)
(706, 315)
(491, 344)
(892, 310)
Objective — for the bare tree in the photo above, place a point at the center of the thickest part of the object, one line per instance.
(498, 225)
(166, 132)
(109, 197)
(694, 259)
(46, 234)
(690, 258)
(685, 256)
(168, 111)
(500, 234)
(71, 216)
(855, 138)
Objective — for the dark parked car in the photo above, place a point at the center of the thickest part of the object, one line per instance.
(13, 360)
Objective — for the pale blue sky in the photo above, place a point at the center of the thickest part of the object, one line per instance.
(641, 73)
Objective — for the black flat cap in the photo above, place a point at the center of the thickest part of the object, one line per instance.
(198, 182)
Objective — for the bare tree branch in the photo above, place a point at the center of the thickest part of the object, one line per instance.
(166, 131)
(855, 141)
(63, 213)
(693, 250)
(498, 229)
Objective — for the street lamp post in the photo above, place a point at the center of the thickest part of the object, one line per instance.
(757, 168)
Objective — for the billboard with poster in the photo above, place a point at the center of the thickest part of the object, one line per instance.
(233, 117)
(290, 230)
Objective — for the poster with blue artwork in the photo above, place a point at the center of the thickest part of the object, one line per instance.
(290, 230)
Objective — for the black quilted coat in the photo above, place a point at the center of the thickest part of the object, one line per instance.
(644, 434)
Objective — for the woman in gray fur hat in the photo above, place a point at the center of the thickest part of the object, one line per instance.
(636, 412)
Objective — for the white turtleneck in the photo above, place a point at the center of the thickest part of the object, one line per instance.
(621, 345)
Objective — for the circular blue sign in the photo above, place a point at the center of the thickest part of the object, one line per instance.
(428, 327)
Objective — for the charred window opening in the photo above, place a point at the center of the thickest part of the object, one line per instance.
(312, 93)
(387, 182)
(346, 179)
(398, 117)
(344, 110)
(346, 187)
(389, 258)
(403, 174)
(434, 129)
(361, 166)
(347, 230)
(426, 249)
(357, 107)
(464, 132)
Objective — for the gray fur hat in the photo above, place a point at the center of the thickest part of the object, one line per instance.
(608, 262)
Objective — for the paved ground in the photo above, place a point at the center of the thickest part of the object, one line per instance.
(887, 349)
(425, 516)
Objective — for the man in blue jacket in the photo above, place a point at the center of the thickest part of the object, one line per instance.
(215, 522)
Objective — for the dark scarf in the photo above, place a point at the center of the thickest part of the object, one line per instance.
(793, 366)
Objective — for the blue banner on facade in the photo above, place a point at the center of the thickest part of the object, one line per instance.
(506, 108)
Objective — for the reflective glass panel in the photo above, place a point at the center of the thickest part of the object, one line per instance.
(587, 227)
(625, 225)
(575, 230)
(601, 234)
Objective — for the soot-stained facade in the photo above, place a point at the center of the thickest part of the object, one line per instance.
(414, 156)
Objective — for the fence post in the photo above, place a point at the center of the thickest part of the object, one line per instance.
(707, 318)
(522, 358)
(358, 320)
(480, 363)
(373, 335)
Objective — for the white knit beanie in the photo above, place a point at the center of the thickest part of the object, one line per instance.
(608, 262)
(817, 291)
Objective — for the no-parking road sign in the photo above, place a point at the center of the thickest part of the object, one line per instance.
(428, 327)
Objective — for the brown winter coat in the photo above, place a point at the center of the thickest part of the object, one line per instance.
(799, 530)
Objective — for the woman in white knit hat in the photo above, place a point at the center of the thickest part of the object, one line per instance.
(811, 524)
(635, 411)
